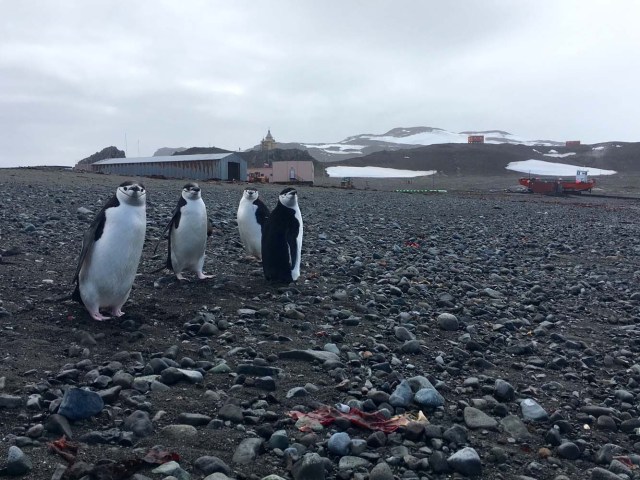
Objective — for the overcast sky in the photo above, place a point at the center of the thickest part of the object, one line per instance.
(78, 76)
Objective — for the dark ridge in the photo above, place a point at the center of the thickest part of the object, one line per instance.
(105, 153)
(491, 159)
(201, 151)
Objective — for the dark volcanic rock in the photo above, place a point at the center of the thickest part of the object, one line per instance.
(537, 376)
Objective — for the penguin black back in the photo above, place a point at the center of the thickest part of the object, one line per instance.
(280, 249)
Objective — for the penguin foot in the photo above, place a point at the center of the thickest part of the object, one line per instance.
(180, 277)
(202, 276)
(98, 316)
(117, 312)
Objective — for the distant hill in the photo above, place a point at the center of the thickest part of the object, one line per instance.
(108, 152)
(168, 151)
(491, 159)
(200, 151)
(402, 138)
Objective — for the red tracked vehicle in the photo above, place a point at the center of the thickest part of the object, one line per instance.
(559, 186)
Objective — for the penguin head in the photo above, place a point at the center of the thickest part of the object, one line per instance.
(132, 193)
(250, 194)
(289, 197)
(191, 191)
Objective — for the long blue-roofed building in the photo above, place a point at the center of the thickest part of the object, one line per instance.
(213, 166)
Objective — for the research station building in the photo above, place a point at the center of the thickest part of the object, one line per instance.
(213, 166)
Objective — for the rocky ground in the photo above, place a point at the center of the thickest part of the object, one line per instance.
(490, 335)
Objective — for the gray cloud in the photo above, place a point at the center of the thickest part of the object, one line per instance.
(77, 76)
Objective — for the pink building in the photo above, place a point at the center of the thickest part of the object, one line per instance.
(294, 171)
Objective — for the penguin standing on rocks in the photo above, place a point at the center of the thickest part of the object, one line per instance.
(282, 239)
(252, 216)
(188, 231)
(111, 251)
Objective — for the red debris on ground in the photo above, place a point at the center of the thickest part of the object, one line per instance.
(158, 455)
(327, 415)
(64, 448)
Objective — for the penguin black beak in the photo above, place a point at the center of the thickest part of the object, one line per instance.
(135, 189)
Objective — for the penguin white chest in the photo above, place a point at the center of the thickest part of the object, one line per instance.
(110, 268)
(249, 229)
(189, 240)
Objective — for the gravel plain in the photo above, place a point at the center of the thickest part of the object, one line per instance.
(488, 334)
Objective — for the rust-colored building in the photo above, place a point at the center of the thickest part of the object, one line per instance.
(572, 143)
(475, 139)
(284, 171)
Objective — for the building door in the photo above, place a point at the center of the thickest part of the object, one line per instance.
(292, 173)
(233, 169)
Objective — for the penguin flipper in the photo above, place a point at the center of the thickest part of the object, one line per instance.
(93, 234)
(292, 243)
(173, 223)
(262, 212)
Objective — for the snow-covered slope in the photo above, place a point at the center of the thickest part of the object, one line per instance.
(400, 138)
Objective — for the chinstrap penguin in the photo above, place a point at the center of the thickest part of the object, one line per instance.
(282, 239)
(252, 215)
(188, 231)
(111, 251)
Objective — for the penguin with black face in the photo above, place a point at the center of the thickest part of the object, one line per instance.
(282, 239)
(111, 251)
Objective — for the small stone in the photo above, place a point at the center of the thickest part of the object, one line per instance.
(172, 468)
(195, 419)
(466, 461)
(247, 451)
(231, 412)
(447, 322)
(297, 392)
(338, 444)
(569, 450)
(78, 404)
(139, 423)
(606, 422)
(58, 424)
(504, 391)
(382, 471)
(10, 401)
(17, 462)
(411, 346)
(211, 464)
(179, 431)
(515, 427)
(531, 410)
(402, 395)
(279, 439)
(310, 467)
(403, 334)
(602, 474)
(350, 462)
(428, 398)
(475, 419)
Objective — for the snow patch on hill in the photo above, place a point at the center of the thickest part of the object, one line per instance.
(375, 172)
